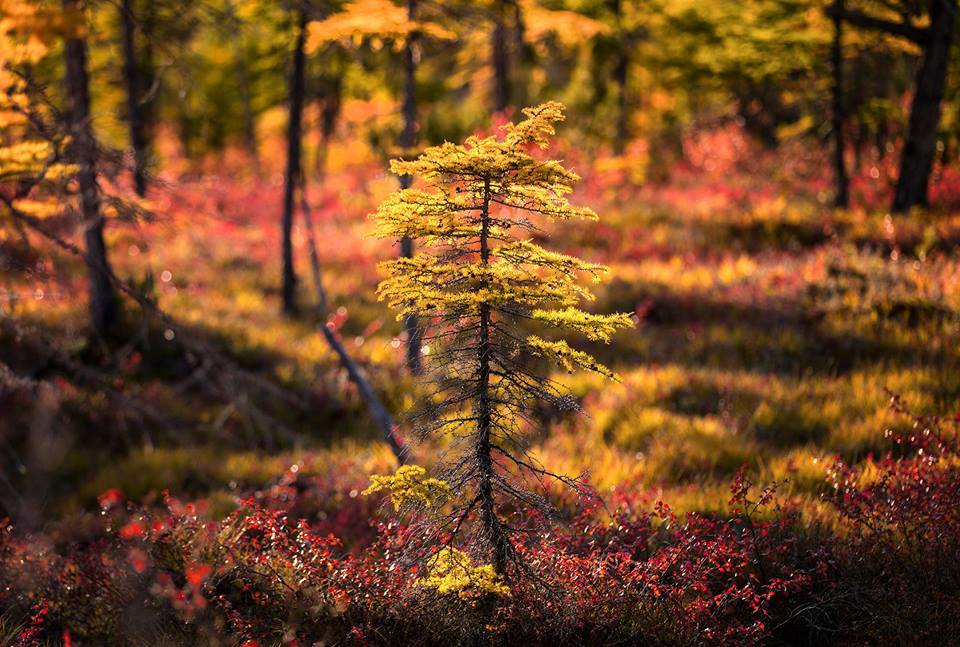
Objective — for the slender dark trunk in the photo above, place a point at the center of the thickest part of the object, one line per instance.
(620, 68)
(150, 80)
(135, 117)
(520, 56)
(500, 61)
(842, 197)
(83, 153)
(855, 93)
(243, 89)
(407, 141)
(492, 529)
(329, 113)
(294, 125)
(759, 107)
(623, 108)
(919, 150)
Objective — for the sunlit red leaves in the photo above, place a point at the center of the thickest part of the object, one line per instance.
(132, 530)
(111, 498)
(720, 580)
(197, 573)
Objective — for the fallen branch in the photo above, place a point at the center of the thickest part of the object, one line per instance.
(381, 416)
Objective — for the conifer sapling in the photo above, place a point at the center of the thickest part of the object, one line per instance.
(484, 283)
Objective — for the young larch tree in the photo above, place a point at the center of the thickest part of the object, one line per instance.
(483, 282)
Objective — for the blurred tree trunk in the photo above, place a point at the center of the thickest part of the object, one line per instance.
(920, 147)
(331, 103)
(842, 197)
(919, 151)
(521, 57)
(760, 109)
(623, 107)
(500, 60)
(294, 128)
(83, 153)
(408, 140)
(620, 69)
(243, 89)
(135, 116)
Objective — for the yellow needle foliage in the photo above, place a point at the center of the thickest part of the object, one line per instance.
(452, 571)
(374, 21)
(500, 178)
(569, 27)
(410, 485)
(31, 162)
(481, 280)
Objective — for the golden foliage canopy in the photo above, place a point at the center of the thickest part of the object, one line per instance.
(27, 31)
(374, 21)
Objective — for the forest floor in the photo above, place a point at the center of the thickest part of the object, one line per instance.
(772, 331)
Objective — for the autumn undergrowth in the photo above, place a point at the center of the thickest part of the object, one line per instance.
(778, 464)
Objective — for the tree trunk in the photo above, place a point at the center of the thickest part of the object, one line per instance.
(623, 110)
(243, 89)
(492, 529)
(329, 112)
(760, 110)
(499, 61)
(381, 416)
(289, 289)
(520, 53)
(83, 153)
(131, 79)
(407, 141)
(620, 69)
(919, 150)
(842, 197)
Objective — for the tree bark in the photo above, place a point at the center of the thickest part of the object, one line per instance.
(294, 128)
(492, 528)
(500, 61)
(842, 197)
(83, 153)
(135, 117)
(408, 140)
(919, 151)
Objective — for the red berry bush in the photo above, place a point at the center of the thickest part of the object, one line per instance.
(627, 572)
